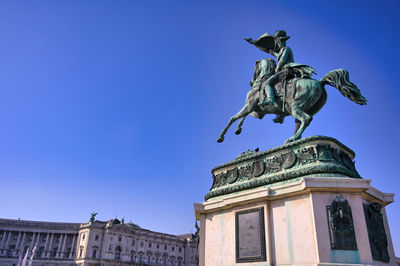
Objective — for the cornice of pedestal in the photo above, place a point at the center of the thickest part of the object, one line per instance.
(292, 188)
(316, 155)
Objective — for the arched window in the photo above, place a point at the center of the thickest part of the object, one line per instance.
(117, 253)
(132, 255)
(180, 259)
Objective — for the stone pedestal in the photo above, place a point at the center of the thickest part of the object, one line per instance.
(298, 204)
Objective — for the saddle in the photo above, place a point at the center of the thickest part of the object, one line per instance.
(290, 86)
(290, 74)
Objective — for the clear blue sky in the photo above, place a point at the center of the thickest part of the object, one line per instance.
(115, 106)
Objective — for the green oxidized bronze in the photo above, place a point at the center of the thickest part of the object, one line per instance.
(287, 88)
(309, 156)
(93, 216)
(376, 232)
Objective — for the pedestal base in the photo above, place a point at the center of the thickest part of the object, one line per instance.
(317, 219)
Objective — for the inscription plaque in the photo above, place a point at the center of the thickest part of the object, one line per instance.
(250, 235)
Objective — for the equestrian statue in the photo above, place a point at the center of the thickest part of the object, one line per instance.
(286, 88)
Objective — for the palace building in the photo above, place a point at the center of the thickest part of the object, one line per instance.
(95, 243)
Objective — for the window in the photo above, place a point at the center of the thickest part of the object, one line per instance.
(94, 253)
(158, 246)
(132, 255)
(141, 243)
(83, 237)
(165, 247)
(80, 251)
(149, 245)
(133, 242)
(180, 249)
(173, 248)
(96, 237)
(117, 253)
(119, 238)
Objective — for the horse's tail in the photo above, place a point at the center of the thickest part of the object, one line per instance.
(339, 79)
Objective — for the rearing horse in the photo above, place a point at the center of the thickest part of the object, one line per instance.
(302, 98)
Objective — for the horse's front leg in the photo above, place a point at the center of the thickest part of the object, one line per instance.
(242, 113)
(239, 127)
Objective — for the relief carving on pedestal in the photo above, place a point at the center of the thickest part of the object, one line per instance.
(258, 168)
(253, 168)
(246, 172)
(376, 232)
(341, 226)
(232, 175)
(306, 155)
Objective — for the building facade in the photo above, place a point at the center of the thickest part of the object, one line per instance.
(94, 243)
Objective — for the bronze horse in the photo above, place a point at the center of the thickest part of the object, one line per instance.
(299, 97)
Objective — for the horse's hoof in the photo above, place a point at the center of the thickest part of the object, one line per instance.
(292, 139)
(238, 131)
(289, 140)
(220, 139)
(278, 119)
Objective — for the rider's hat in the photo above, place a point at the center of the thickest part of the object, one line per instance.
(281, 34)
(264, 43)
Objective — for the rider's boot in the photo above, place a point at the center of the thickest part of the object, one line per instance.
(271, 95)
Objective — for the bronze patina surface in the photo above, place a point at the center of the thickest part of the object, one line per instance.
(313, 155)
(286, 88)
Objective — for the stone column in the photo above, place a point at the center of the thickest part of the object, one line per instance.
(63, 246)
(72, 247)
(105, 245)
(17, 244)
(2, 240)
(45, 245)
(50, 245)
(5, 248)
(21, 246)
(37, 242)
(59, 246)
(33, 239)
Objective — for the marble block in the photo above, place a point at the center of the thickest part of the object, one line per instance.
(304, 203)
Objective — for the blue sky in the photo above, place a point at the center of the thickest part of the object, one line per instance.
(115, 106)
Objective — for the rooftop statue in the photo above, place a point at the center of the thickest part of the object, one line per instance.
(287, 88)
(93, 216)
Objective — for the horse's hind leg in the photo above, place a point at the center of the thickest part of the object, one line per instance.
(302, 121)
(242, 113)
(297, 124)
(239, 127)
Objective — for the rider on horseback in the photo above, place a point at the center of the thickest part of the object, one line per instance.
(286, 68)
(302, 96)
(284, 55)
